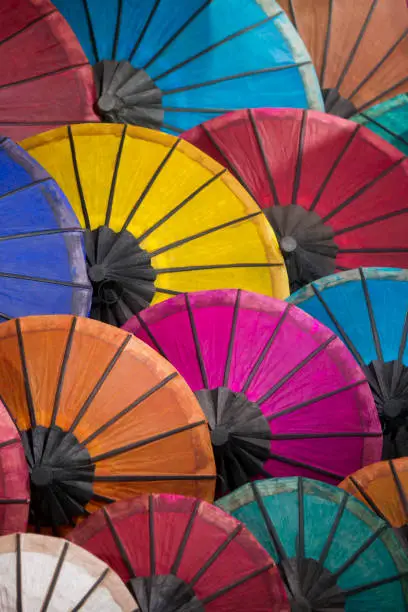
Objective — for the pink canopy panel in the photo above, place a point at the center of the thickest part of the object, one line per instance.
(282, 394)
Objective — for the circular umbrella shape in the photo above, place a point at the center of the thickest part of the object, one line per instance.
(383, 486)
(368, 309)
(161, 218)
(359, 49)
(162, 66)
(45, 78)
(333, 552)
(42, 573)
(389, 120)
(281, 393)
(14, 486)
(178, 553)
(334, 192)
(38, 226)
(101, 416)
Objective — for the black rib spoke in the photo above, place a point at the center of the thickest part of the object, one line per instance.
(28, 26)
(153, 478)
(44, 232)
(384, 128)
(300, 540)
(9, 442)
(367, 498)
(27, 386)
(45, 75)
(373, 323)
(149, 333)
(115, 176)
(398, 365)
(381, 95)
(91, 30)
(265, 163)
(216, 554)
(119, 544)
(292, 13)
(167, 291)
(307, 466)
(55, 577)
(19, 576)
(400, 489)
(152, 539)
(375, 250)
(61, 377)
(390, 215)
(78, 178)
(375, 585)
(181, 549)
(25, 187)
(91, 590)
(231, 342)
(273, 534)
(217, 267)
(326, 44)
(298, 172)
(9, 501)
(337, 434)
(197, 346)
(144, 30)
(49, 281)
(234, 585)
(117, 29)
(5, 316)
(336, 575)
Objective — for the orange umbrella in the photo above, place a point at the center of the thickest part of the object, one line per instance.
(102, 417)
(383, 486)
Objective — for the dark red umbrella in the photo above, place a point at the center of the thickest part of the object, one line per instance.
(179, 554)
(45, 78)
(335, 193)
(14, 485)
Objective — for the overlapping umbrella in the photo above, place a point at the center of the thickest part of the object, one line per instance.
(160, 218)
(368, 309)
(335, 193)
(389, 120)
(42, 258)
(170, 66)
(333, 552)
(181, 554)
(359, 49)
(45, 78)
(101, 415)
(282, 395)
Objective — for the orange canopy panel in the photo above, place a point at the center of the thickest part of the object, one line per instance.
(102, 417)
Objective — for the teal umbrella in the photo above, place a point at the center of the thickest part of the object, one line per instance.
(389, 120)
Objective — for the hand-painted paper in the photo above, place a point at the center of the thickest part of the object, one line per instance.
(102, 417)
(171, 65)
(181, 554)
(334, 192)
(359, 49)
(42, 259)
(389, 120)
(333, 552)
(45, 78)
(282, 395)
(161, 218)
(368, 310)
(39, 573)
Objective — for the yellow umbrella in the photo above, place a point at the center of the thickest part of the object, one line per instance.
(161, 217)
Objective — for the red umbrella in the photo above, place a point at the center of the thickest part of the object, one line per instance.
(14, 485)
(180, 554)
(335, 193)
(45, 78)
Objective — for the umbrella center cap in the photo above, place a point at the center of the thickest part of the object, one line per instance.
(219, 435)
(164, 593)
(311, 587)
(288, 244)
(96, 273)
(41, 476)
(392, 407)
(107, 103)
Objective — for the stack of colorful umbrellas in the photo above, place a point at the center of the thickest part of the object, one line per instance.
(203, 296)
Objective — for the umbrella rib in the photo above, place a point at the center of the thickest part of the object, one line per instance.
(5, 316)
(44, 75)
(359, 551)
(373, 324)
(273, 534)
(265, 350)
(401, 351)
(129, 408)
(186, 535)
(381, 95)
(78, 178)
(91, 30)
(374, 585)
(117, 29)
(379, 64)
(400, 489)
(218, 267)
(334, 168)
(19, 577)
(55, 577)
(150, 184)
(115, 176)
(227, 367)
(20, 500)
(172, 128)
(153, 477)
(144, 30)
(9, 442)
(296, 463)
(292, 13)
(227, 39)
(232, 77)
(27, 26)
(373, 250)
(149, 333)
(99, 383)
(356, 45)
(199, 355)
(91, 590)
(50, 232)
(368, 499)
(181, 205)
(167, 291)
(300, 541)
(296, 369)
(24, 187)
(384, 128)
(119, 544)
(184, 109)
(64, 365)
(326, 43)
(337, 434)
(27, 387)
(390, 215)
(268, 170)
(298, 171)
(226, 589)
(43, 280)
(152, 540)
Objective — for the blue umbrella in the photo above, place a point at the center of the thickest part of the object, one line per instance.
(368, 309)
(333, 552)
(390, 120)
(173, 64)
(42, 262)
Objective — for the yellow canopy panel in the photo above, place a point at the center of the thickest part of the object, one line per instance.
(161, 217)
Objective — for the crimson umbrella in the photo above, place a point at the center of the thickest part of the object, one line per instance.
(179, 554)
(282, 394)
(45, 78)
(335, 193)
(14, 485)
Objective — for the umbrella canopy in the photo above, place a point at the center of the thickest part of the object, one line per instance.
(14, 485)
(334, 192)
(359, 49)
(388, 119)
(161, 218)
(177, 553)
(368, 309)
(42, 573)
(45, 78)
(37, 225)
(101, 416)
(383, 486)
(281, 393)
(162, 66)
(333, 552)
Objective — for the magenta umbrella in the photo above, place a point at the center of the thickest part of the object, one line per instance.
(282, 394)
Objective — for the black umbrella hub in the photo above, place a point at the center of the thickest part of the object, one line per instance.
(335, 104)
(164, 593)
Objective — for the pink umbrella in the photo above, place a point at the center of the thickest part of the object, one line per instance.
(282, 394)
